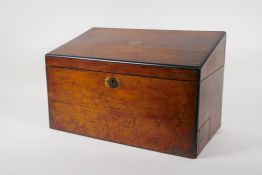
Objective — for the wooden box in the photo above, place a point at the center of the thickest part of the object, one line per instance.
(159, 90)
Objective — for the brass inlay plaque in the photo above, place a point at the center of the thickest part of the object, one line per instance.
(135, 42)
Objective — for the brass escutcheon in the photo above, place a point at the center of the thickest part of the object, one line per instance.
(111, 82)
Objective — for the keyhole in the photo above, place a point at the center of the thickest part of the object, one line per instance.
(112, 82)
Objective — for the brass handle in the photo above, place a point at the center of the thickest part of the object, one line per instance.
(111, 82)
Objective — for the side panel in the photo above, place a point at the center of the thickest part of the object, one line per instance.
(210, 107)
(151, 113)
(215, 61)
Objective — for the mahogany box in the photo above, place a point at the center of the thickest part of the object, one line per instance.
(159, 90)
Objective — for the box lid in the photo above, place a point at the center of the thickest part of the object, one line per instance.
(166, 48)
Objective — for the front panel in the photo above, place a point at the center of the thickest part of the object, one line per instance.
(151, 113)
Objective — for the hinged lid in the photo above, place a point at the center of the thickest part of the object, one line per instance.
(179, 52)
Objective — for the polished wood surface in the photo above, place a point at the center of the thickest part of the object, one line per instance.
(168, 96)
(151, 113)
(173, 73)
(210, 107)
(215, 61)
(168, 47)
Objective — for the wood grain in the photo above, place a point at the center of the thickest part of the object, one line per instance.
(169, 93)
(215, 61)
(168, 47)
(151, 113)
(210, 107)
(176, 73)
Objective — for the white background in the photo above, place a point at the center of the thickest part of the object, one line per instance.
(30, 29)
